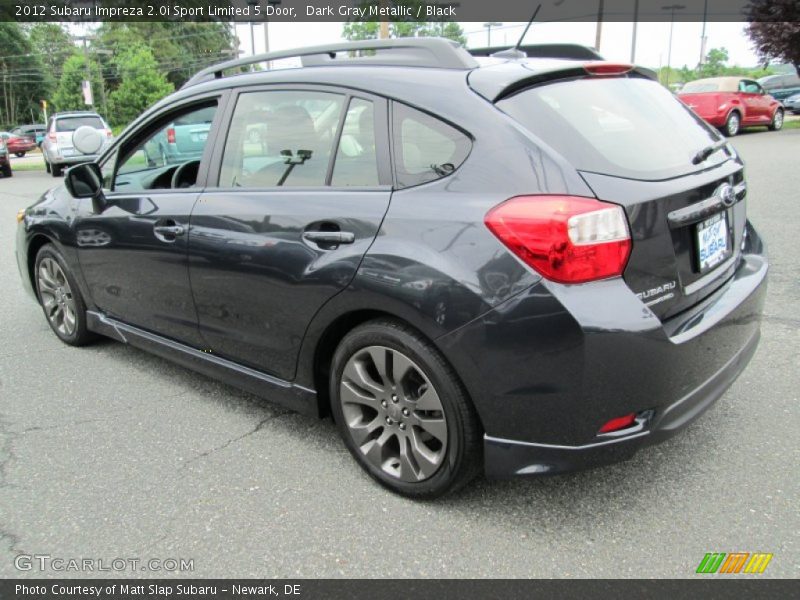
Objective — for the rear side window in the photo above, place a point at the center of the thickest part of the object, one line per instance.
(425, 148)
(356, 159)
(628, 127)
(72, 123)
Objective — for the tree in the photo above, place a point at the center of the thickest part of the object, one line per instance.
(399, 27)
(53, 43)
(69, 93)
(179, 48)
(714, 65)
(23, 79)
(774, 29)
(141, 84)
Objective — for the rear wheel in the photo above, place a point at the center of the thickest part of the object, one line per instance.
(56, 170)
(733, 124)
(777, 121)
(402, 412)
(60, 297)
(46, 165)
(19, 154)
(7, 172)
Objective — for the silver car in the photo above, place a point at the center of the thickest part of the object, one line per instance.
(792, 103)
(58, 146)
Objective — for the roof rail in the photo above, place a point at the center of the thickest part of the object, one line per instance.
(567, 51)
(408, 52)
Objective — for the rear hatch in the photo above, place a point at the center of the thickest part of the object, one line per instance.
(705, 105)
(634, 144)
(65, 126)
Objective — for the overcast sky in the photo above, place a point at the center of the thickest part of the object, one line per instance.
(651, 48)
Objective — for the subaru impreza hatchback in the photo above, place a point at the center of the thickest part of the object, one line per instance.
(519, 265)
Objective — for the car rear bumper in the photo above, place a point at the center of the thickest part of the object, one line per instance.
(548, 368)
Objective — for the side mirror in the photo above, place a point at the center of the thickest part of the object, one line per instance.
(86, 181)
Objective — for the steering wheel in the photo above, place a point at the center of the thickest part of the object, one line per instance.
(186, 174)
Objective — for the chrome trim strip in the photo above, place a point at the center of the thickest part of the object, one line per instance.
(494, 440)
(709, 277)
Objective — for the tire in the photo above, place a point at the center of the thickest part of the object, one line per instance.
(425, 412)
(19, 154)
(7, 172)
(46, 166)
(777, 120)
(56, 170)
(733, 124)
(60, 297)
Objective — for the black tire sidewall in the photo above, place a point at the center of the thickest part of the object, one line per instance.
(398, 337)
(81, 335)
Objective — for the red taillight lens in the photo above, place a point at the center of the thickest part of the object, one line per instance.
(568, 239)
(52, 137)
(603, 68)
(109, 133)
(618, 423)
(170, 136)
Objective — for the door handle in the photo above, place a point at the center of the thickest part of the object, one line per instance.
(174, 230)
(329, 237)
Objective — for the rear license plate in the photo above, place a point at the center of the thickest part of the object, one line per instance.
(713, 244)
(67, 152)
(200, 137)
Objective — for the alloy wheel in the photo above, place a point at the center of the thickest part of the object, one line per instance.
(733, 124)
(777, 120)
(393, 413)
(57, 298)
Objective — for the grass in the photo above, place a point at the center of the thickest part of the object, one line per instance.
(27, 166)
(791, 124)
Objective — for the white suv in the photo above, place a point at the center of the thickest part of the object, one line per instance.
(58, 146)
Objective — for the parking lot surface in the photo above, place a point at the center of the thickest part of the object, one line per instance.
(108, 452)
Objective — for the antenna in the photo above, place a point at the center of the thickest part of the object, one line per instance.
(515, 52)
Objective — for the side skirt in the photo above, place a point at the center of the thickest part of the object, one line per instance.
(285, 393)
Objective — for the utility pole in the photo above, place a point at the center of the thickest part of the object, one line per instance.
(87, 82)
(672, 8)
(703, 39)
(383, 33)
(488, 27)
(599, 31)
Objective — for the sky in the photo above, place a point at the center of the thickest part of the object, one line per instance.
(652, 48)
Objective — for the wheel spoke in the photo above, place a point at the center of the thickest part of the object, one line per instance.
(409, 470)
(69, 318)
(436, 427)
(427, 460)
(362, 431)
(356, 372)
(373, 450)
(400, 367)
(429, 399)
(352, 394)
(379, 357)
(46, 277)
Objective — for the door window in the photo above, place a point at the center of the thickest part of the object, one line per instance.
(425, 148)
(749, 87)
(356, 160)
(166, 157)
(281, 138)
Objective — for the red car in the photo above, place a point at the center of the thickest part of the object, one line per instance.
(731, 103)
(18, 144)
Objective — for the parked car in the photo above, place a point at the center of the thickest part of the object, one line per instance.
(5, 162)
(36, 131)
(781, 86)
(792, 103)
(17, 144)
(732, 103)
(520, 266)
(180, 141)
(59, 147)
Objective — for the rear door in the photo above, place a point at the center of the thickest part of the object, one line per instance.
(294, 209)
(635, 146)
(133, 254)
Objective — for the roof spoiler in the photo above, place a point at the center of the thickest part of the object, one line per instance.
(564, 51)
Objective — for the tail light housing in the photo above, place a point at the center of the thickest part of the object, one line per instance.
(170, 135)
(568, 239)
(601, 69)
(109, 133)
(52, 137)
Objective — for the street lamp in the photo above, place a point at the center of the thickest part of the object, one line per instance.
(671, 8)
(488, 27)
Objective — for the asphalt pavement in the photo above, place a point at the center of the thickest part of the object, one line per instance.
(107, 452)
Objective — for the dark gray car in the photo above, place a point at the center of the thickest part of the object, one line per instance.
(518, 266)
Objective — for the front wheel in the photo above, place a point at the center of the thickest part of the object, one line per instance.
(60, 297)
(402, 412)
(777, 121)
(733, 124)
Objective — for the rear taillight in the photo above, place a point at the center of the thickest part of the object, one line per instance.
(170, 136)
(109, 133)
(568, 239)
(52, 137)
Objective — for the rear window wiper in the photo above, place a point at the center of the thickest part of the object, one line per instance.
(708, 151)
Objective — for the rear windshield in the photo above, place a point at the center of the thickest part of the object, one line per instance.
(72, 123)
(629, 127)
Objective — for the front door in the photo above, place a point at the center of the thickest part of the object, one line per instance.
(133, 254)
(302, 190)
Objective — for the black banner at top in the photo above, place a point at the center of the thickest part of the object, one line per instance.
(397, 10)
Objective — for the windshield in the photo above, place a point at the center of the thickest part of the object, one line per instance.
(72, 123)
(628, 127)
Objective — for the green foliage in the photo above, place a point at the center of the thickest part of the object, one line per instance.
(774, 30)
(400, 27)
(141, 84)
(54, 44)
(23, 79)
(68, 95)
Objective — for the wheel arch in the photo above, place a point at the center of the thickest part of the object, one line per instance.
(34, 245)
